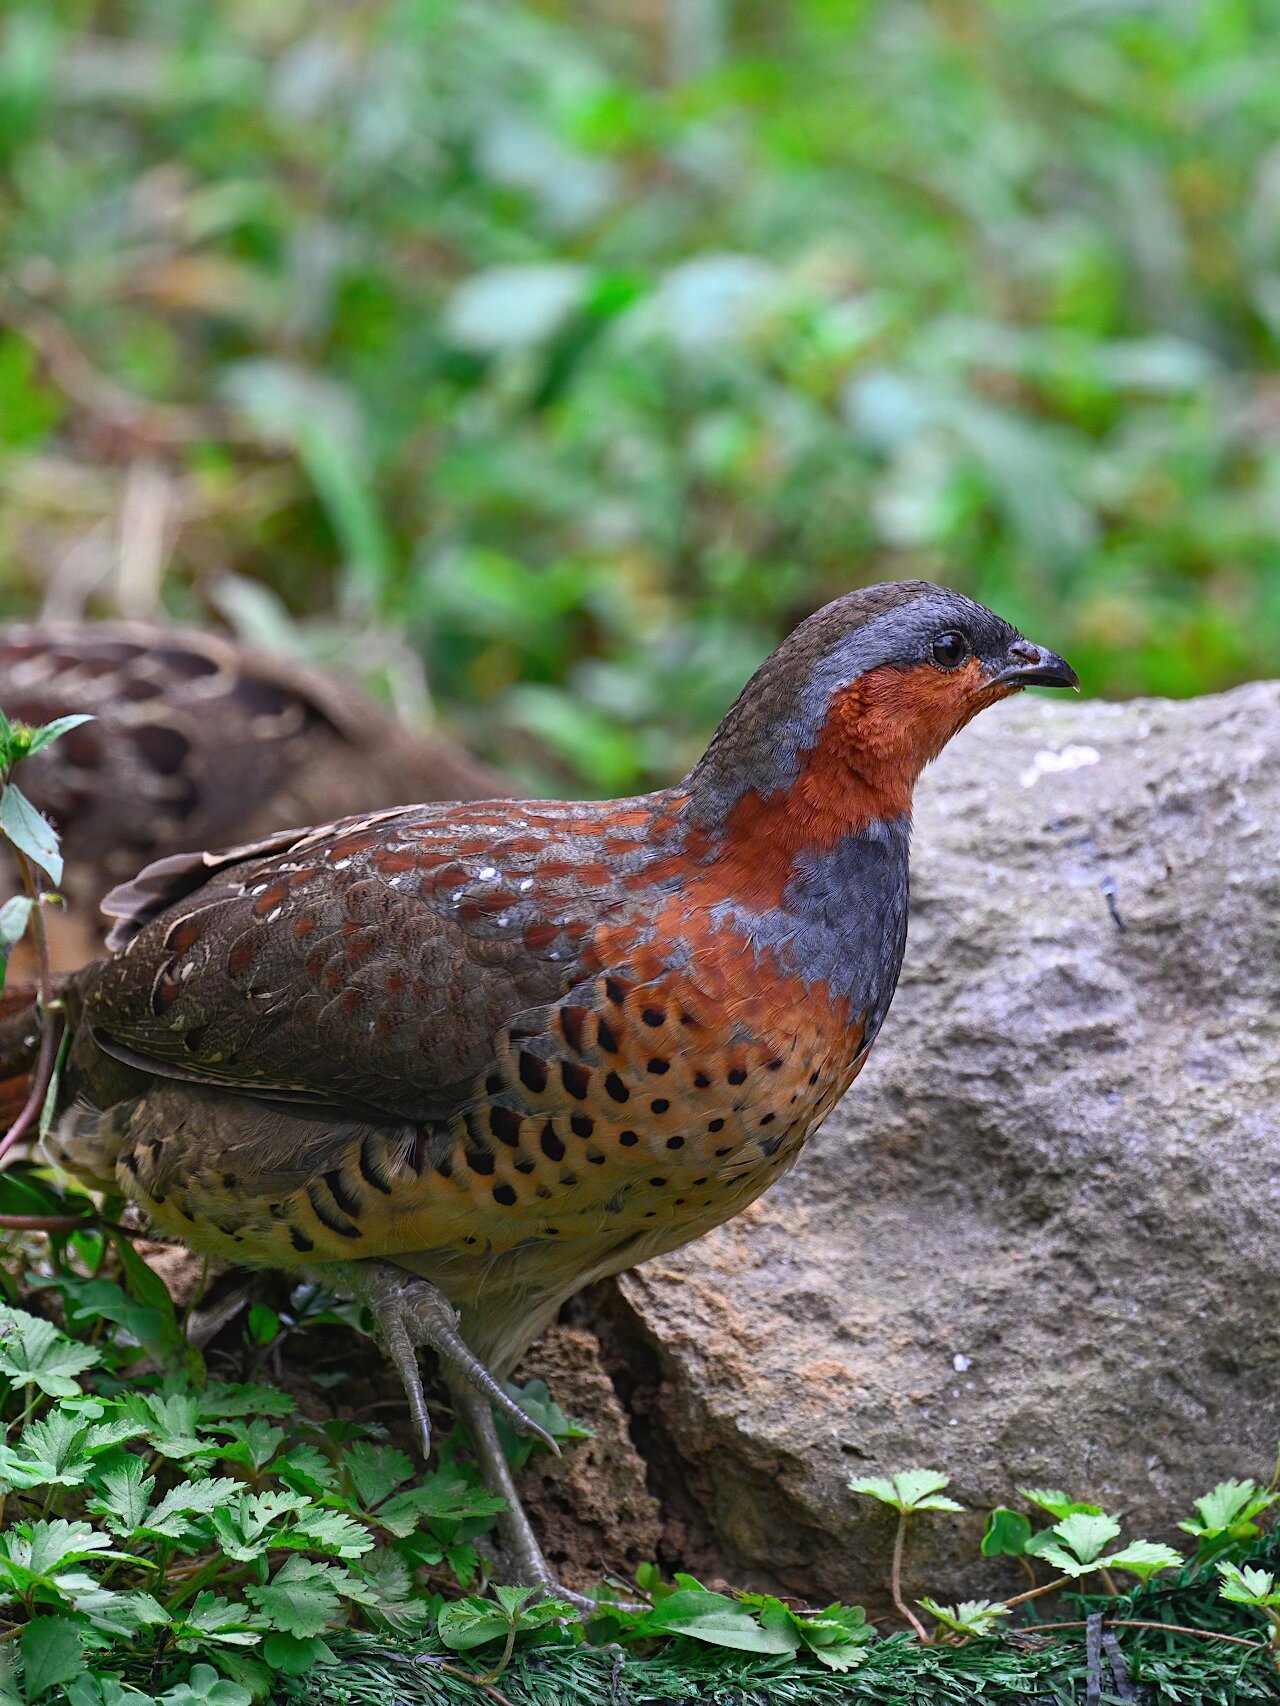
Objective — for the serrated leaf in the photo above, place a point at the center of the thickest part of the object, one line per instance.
(34, 1353)
(321, 1530)
(123, 1494)
(119, 1614)
(300, 1599)
(254, 1442)
(183, 1504)
(307, 1469)
(218, 1400)
(911, 1490)
(1062, 1560)
(52, 1654)
(29, 832)
(375, 1470)
(211, 1618)
(467, 1623)
(1230, 1503)
(974, 1617)
(1142, 1558)
(1086, 1535)
(435, 1499)
(248, 1526)
(44, 1547)
(1058, 1504)
(1245, 1585)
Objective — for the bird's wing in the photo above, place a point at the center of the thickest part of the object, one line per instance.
(369, 963)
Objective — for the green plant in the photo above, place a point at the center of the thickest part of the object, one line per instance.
(1244, 1586)
(152, 1526)
(909, 1491)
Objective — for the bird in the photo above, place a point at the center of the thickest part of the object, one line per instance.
(197, 740)
(457, 1061)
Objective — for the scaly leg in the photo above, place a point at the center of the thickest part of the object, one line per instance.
(410, 1312)
(528, 1565)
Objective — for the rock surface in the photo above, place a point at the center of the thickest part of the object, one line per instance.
(1038, 1242)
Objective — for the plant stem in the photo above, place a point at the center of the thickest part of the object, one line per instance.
(45, 1222)
(1034, 1593)
(50, 1015)
(895, 1580)
(1143, 1623)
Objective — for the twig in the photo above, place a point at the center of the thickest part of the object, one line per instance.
(46, 1222)
(895, 1580)
(1035, 1593)
(475, 1681)
(1143, 1623)
(50, 1015)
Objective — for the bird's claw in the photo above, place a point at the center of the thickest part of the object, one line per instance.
(410, 1312)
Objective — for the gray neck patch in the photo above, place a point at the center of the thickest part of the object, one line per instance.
(843, 919)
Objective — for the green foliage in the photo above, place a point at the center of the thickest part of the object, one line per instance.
(211, 1522)
(912, 1490)
(476, 327)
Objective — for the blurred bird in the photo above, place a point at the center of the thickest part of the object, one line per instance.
(461, 1060)
(197, 741)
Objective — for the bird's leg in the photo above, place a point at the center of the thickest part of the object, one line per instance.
(410, 1312)
(528, 1564)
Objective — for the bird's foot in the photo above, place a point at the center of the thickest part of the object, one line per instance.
(410, 1312)
(526, 1560)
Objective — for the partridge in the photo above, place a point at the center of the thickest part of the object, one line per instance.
(198, 741)
(460, 1060)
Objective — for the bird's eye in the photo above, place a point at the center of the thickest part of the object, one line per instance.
(950, 650)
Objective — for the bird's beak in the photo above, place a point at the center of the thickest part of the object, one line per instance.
(1030, 665)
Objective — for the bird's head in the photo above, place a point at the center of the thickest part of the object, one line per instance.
(842, 718)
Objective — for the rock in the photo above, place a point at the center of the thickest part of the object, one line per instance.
(1037, 1244)
(591, 1509)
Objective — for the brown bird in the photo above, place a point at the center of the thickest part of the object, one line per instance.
(197, 741)
(461, 1060)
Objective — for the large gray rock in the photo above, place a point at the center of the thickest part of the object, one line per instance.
(1038, 1243)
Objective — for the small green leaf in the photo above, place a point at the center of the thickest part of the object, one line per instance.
(1086, 1534)
(52, 1654)
(718, 1620)
(467, 1623)
(263, 1324)
(211, 1618)
(29, 832)
(1231, 1505)
(1058, 1504)
(1142, 1558)
(291, 1655)
(1006, 1535)
(911, 1490)
(1244, 1585)
(15, 915)
(34, 1353)
(204, 1687)
(973, 1617)
(375, 1470)
(55, 730)
(300, 1599)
